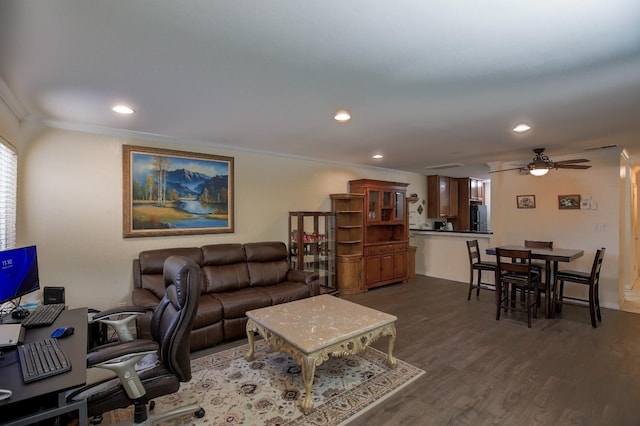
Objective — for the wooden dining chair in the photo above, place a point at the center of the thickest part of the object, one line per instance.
(514, 272)
(590, 279)
(477, 264)
(539, 266)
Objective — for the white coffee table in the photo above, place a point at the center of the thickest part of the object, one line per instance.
(311, 330)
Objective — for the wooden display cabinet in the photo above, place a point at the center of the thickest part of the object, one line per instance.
(385, 230)
(349, 211)
(312, 246)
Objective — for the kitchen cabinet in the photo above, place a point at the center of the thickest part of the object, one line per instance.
(349, 237)
(312, 246)
(476, 190)
(442, 197)
(470, 191)
(385, 230)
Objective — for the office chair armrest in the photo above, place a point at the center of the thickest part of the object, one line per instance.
(122, 360)
(119, 318)
(120, 310)
(115, 353)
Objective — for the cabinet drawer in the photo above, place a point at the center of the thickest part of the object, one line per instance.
(398, 248)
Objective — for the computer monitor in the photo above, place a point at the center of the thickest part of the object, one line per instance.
(18, 273)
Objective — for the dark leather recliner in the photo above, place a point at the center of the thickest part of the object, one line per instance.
(167, 355)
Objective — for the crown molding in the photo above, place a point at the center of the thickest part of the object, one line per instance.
(6, 94)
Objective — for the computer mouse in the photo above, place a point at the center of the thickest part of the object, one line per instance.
(62, 332)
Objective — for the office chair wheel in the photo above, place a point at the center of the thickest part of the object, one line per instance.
(97, 419)
(152, 405)
(200, 413)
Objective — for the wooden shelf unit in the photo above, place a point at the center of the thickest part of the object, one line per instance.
(312, 246)
(349, 213)
(385, 231)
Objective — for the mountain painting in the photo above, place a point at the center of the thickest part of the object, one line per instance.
(175, 193)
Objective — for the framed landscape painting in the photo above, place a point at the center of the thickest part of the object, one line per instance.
(170, 192)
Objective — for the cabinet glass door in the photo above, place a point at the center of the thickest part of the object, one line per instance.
(399, 207)
(374, 205)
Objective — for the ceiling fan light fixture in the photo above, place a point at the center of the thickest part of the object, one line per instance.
(539, 172)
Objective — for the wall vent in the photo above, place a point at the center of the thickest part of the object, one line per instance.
(444, 166)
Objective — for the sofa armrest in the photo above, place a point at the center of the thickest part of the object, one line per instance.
(312, 279)
(144, 298)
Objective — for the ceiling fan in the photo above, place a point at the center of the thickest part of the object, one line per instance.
(541, 164)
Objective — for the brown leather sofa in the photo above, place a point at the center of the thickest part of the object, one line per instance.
(235, 278)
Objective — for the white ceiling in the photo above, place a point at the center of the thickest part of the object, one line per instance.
(428, 82)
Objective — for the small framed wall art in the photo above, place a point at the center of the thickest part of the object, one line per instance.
(526, 201)
(569, 202)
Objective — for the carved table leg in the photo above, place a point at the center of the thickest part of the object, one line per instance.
(308, 372)
(391, 361)
(250, 337)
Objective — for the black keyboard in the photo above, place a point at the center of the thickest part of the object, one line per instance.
(42, 359)
(43, 315)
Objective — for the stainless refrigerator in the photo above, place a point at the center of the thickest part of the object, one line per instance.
(479, 217)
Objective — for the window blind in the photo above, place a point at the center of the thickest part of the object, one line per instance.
(8, 190)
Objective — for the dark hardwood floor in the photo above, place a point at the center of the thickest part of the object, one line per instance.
(480, 371)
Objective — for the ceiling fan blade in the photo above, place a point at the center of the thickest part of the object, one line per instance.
(571, 166)
(577, 160)
(506, 170)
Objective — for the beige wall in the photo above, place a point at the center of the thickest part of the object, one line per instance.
(584, 229)
(70, 206)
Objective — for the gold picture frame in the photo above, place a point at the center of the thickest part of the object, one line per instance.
(526, 201)
(167, 192)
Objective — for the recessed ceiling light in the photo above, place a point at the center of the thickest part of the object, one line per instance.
(521, 128)
(378, 156)
(123, 109)
(342, 116)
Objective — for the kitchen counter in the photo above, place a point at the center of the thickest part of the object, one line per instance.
(443, 254)
(444, 231)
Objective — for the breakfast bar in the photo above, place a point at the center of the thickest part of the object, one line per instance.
(443, 254)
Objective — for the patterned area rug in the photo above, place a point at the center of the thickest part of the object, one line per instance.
(268, 390)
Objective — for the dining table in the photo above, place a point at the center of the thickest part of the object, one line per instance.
(551, 257)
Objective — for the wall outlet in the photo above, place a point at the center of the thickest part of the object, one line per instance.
(600, 227)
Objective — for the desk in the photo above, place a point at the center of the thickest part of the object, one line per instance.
(551, 258)
(46, 398)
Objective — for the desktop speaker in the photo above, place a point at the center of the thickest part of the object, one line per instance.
(53, 295)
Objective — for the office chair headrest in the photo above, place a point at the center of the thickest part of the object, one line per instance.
(177, 271)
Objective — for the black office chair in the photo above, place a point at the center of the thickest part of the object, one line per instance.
(477, 264)
(590, 279)
(167, 362)
(516, 272)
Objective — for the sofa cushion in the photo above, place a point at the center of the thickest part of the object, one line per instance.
(225, 268)
(209, 311)
(287, 292)
(267, 263)
(235, 304)
(151, 263)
